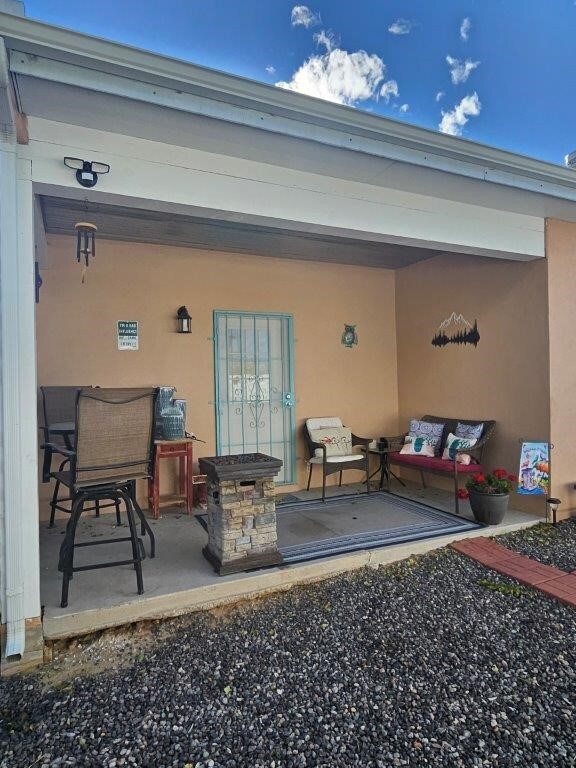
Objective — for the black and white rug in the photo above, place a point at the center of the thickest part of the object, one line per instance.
(312, 529)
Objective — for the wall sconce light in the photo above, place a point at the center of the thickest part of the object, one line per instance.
(553, 505)
(184, 320)
(86, 172)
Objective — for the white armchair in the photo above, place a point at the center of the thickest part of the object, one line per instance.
(334, 448)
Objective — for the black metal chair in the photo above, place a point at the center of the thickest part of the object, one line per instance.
(113, 449)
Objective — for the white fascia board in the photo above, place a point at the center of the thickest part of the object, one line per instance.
(345, 137)
(169, 82)
(245, 190)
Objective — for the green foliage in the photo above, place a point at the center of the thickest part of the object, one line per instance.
(514, 590)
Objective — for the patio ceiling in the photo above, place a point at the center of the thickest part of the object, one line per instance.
(162, 228)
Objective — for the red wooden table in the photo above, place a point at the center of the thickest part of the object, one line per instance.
(172, 449)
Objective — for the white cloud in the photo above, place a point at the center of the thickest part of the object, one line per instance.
(325, 38)
(404, 108)
(389, 89)
(440, 95)
(400, 27)
(302, 16)
(338, 76)
(453, 121)
(465, 29)
(460, 70)
(270, 69)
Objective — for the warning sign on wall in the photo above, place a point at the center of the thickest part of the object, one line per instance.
(128, 335)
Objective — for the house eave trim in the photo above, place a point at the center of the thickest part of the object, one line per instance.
(145, 76)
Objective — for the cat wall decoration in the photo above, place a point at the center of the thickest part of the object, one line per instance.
(456, 330)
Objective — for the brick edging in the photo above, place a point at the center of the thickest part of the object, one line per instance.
(545, 578)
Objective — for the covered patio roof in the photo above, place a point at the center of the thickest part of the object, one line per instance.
(159, 227)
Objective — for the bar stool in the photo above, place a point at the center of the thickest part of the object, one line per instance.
(113, 449)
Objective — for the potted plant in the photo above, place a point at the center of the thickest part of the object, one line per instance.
(489, 495)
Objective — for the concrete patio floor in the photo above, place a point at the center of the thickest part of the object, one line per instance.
(180, 580)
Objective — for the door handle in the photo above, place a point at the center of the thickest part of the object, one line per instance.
(287, 400)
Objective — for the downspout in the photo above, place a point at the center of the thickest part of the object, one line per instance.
(12, 602)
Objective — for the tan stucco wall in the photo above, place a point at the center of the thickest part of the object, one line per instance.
(76, 328)
(561, 255)
(505, 377)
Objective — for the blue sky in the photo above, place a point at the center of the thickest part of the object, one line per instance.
(514, 61)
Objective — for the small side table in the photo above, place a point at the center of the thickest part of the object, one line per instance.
(384, 466)
(172, 449)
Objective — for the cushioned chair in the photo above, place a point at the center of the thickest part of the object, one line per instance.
(332, 446)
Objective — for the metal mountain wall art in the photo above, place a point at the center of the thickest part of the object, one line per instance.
(456, 330)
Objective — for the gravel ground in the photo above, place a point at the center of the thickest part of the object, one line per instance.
(550, 544)
(436, 661)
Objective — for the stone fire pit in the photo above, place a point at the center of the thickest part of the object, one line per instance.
(241, 511)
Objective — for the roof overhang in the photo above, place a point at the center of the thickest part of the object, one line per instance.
(59, 55)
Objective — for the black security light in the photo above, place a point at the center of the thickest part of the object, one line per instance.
(87, 172)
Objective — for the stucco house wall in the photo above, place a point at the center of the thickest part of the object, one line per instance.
(393, 374)
(505, 377)
(561, 256)
(76, 329)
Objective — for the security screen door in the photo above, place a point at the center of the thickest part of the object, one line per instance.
(255, 386)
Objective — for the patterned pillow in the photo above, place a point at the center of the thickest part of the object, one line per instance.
(429, 431)
(469, 431)
(454, 444)
(338, 440)
(417, 446)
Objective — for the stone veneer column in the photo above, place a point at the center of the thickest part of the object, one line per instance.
(241, 524)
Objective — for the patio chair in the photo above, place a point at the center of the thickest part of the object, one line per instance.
(331, 447)
(59, 413)
(113, 449)
(59, 416)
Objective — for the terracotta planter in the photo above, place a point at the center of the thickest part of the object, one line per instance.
(488, 508)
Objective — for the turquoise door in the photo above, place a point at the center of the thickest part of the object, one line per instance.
(254, 367)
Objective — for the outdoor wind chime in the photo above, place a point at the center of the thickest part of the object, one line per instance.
(86, 174)
(85, 243)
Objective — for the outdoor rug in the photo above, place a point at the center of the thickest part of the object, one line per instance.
(311, 529)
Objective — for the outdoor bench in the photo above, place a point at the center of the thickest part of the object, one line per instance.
(436, 465)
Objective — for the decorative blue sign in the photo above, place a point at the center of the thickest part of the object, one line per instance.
(534, 472)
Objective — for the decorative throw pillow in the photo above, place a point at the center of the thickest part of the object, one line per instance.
(469, 431)
(417, 446)
(426, 429)
(338, 440)
(455, 444)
